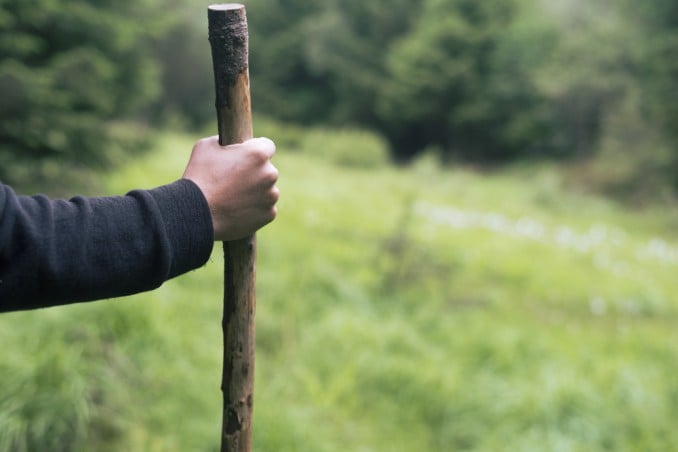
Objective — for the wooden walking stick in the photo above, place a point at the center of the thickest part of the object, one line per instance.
(229, 43)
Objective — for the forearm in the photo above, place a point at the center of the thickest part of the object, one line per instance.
(59, 252)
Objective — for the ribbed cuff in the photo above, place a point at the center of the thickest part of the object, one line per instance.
(188, 224)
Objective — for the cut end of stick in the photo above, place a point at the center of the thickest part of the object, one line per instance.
(225, 6)
(227, 24)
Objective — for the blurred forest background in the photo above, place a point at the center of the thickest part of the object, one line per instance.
(484, 82)
(478, 233)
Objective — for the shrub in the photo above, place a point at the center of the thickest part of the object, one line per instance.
(349, 147)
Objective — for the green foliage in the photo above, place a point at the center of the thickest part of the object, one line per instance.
(346, 147)
(490, 81)
(349, 148)
(613, 92)
(487, 81)
(461, 80)
(56, 400)
(185, 67)
(400, 310)
(285, 87)
(657, 19)
(318, 61)
(66, 74)
(346, 44)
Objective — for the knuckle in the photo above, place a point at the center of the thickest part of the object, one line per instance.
(274, 194)
(209, 141)
(272, 213)
(267, 145)
(259, 156)
(271, 175)
(263, 148)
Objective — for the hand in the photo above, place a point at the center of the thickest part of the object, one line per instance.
(238, 182)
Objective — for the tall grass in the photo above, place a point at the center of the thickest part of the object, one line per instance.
(398, 310)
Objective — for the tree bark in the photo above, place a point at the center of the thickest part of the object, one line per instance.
(229, 43)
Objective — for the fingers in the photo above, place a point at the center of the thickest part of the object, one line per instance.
(270, 176)
(262, 145)
(239, 184)
(262, 150)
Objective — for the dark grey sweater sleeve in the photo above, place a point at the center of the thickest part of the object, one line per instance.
(58, 252)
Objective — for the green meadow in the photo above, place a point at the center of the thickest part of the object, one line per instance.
(399, 309)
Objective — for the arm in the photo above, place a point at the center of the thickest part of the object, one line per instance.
(57, 252)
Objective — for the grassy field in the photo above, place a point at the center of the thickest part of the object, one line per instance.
(399, 309)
